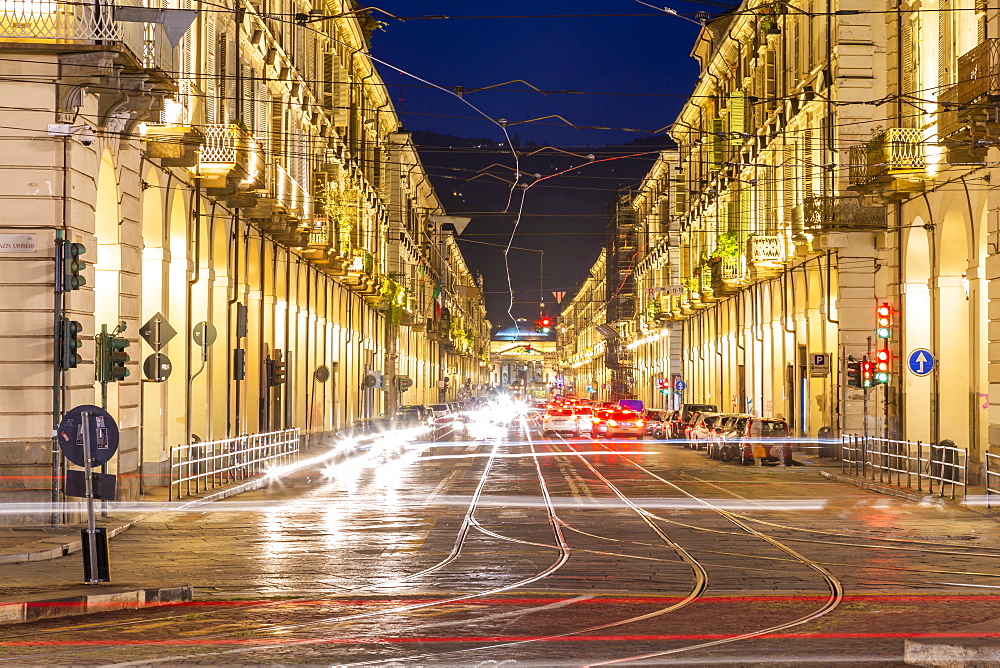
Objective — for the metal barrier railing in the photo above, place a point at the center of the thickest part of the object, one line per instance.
(923, 466)
(992, 477)
(198, 467)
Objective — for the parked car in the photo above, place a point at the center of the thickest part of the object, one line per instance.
(626, 423)
(655, 422)
(759, 440)
(559, 421)
(440, 409)
(699, 432)
(726, 431)
(681, 418)
(408, 417)
(366, 427)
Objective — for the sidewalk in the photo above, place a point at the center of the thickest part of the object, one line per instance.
(46, 600)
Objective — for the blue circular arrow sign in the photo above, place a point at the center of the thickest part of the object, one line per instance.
(920, 362)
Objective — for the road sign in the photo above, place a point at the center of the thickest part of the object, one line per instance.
(157, 367)
(204, 333)
(103, 435)
(819, 364)
(920, 362)
(680, 386)
(157, 332)
(322, 373)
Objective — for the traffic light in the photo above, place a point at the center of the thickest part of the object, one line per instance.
(67, 343)
(883, 321)
(854, 373)
(867, 373)
(111, 358)
(882, 366)
(277, 371)
(543, 325)
(72, 267)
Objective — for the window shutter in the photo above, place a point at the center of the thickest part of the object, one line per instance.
(277, 130)
(718, 145)
(788, 178)
(944, 43)
(771, 80)
(260, 110)
(207, 77)
(231, 77)
(737, 114)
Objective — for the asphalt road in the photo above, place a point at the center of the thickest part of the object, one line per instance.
(536, 552)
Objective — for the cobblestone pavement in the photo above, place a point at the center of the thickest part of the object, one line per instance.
(537, 552)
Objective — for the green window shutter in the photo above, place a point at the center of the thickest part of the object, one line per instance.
(718, 146)
(737, 115)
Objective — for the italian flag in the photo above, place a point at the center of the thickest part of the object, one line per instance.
(438, 298)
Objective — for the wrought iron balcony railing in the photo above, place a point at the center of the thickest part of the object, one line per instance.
(766, 248)
(86, 23)
(891, 151)
(969, 108)
(978, 73)
(232, 148)
(828, 212)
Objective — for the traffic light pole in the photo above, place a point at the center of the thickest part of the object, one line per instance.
(54, 519)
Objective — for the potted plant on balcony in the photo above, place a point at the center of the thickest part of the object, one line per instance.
(724, 264)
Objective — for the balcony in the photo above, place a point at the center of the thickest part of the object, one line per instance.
(766, 253)
(173, 144)
(62, 24)
(842, 213)
(232, 160)
(362, 274)
(970, 107)
(728, 274)
(893, 152)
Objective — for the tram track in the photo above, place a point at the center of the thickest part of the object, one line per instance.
(559, 528)
(467, 523)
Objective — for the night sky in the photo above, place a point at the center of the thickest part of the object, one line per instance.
(630, 70)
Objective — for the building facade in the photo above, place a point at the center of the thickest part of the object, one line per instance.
(832, 161)
(241, 185)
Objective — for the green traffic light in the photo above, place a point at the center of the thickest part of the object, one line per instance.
(882, 377)
(883, 332)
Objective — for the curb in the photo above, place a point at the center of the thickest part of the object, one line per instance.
(85, 604)
(55, 547)
(936, 653)
(882, 489)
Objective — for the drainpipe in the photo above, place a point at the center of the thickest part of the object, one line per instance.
(188, 309)
(231, 331)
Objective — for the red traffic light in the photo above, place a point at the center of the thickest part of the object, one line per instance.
(545, 322)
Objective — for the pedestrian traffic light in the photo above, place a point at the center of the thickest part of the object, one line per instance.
(67, 343)
(883, 321)
(882, 359)
(111, 358)
(867, 373)
(854, 373)
(72, 267)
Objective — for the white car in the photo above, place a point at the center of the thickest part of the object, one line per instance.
(560, 420)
